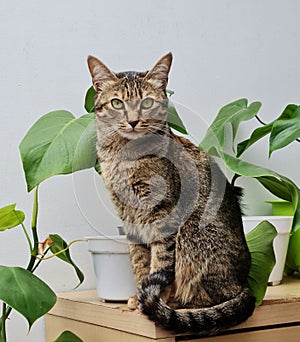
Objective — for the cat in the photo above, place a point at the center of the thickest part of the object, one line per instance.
(183, 220)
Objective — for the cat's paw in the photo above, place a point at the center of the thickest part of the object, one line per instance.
(133, 303)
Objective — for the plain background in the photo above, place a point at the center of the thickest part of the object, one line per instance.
(223, 50)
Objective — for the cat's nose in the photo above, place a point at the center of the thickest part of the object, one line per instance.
(133, 123)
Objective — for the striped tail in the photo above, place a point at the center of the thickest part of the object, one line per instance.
(205, 321)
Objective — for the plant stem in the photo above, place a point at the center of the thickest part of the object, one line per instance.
(27, 236)
(3, 322)
(234, 178)
(259, 120)
(40, 260)
(34, 250)
(61, 251)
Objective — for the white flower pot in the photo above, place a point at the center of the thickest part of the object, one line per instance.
(114, 276)
(283, 225)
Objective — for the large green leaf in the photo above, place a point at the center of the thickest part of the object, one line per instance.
(231, 114)
(25, 292)
(10, 218)
(68, 336)
(58, 245)
(260, 244)
(58, 143)
(286, 128)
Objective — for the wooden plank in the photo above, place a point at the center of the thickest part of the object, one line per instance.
(91, 333)
(281, 305)
(289, 290)
(289, 334)
(86, 306)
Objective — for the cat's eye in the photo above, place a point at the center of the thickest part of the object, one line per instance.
(147, 103)
(117, 104)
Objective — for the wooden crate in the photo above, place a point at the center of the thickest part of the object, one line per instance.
(94, 321)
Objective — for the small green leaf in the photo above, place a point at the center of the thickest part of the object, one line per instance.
(169, 92)
(174, 120)
(58, 143)
(286, 128)
(260, 244)
(68, 336)
(58, 245)
(89, 100)
(233, 114)
(25, 293)
(10, 218)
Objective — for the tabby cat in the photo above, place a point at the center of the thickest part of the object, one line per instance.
(182, 219)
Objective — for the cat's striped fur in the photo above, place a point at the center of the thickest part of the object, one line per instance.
(184, 222)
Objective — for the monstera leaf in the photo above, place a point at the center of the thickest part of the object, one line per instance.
(286, 128)
(58, 143)
(232, 114)
(216, 137)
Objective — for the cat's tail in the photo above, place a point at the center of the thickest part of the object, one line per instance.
(205, 321)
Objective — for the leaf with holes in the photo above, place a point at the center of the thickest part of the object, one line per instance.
(286, 128)
(232, 114)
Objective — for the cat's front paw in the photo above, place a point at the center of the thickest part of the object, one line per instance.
(133, 303)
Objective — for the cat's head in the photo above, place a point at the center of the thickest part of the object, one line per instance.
(131, 104)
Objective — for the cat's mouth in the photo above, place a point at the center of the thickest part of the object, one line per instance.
(132, 133)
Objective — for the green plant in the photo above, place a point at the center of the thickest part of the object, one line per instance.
(20, 289)
(282, 131)
(235, 113)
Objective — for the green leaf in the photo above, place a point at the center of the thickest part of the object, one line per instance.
(286, 128)
(255, 136)
(89, 100)
(268, 178)
(10, 218)
(58, 245)
(68, 336)
(260, 244)
(58, 143)
(233, 114)
(174, 120)
(25, 292)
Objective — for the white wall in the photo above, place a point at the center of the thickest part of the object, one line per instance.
(223, 50)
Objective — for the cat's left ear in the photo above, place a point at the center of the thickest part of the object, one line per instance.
(158, 75)
(100, 73)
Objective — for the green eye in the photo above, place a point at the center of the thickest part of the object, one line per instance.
(147, 103)
(117, 104)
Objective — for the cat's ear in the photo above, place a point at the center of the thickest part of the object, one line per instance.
(100, 73)
(158, 75)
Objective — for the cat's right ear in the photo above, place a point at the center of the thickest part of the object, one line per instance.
(100, 73)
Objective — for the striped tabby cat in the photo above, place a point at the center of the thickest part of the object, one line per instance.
(180, 215)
